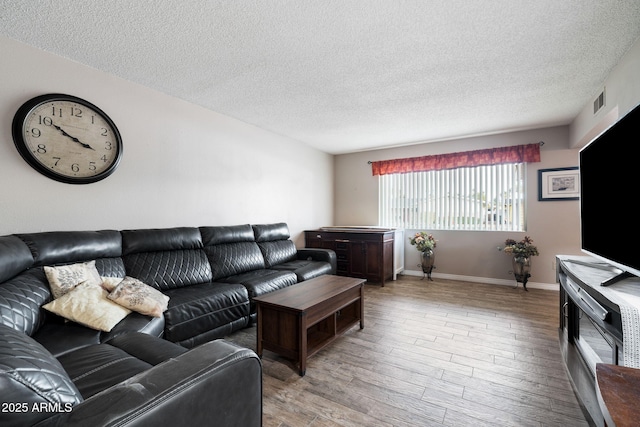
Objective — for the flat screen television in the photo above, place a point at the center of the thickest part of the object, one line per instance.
(609, 172)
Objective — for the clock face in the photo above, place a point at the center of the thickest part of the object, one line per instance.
(67, 138)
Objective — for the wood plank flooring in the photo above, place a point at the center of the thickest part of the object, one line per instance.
(432, 353)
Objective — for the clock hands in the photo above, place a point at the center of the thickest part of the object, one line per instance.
(73, 138)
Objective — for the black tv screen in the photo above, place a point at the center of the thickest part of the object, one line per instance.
(609, 174)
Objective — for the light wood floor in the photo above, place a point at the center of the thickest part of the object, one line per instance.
(440, 353)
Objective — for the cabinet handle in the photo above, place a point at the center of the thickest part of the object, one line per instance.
(342, 240)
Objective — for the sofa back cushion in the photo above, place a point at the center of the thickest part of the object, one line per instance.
(271, 232)
(30, 375)
(66, 247)
(278, 252)
(273, 240)
(15, 257)
(22, 291)
(231, 250)
(166, 258)
(21, 299)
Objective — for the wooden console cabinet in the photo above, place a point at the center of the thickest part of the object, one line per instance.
(362, 252)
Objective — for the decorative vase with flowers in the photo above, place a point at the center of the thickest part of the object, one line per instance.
(425, 243)
(522, 252)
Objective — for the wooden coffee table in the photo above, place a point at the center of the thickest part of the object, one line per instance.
(297, 321)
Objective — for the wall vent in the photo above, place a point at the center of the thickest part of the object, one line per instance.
(599, 102)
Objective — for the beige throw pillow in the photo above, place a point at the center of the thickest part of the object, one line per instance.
(88, 305)
(64, 278)
(110, 283)
(140, 297)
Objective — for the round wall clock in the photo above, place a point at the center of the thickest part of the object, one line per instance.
(67, 138)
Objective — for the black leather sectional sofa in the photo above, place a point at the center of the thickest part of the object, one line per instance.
(168, 370)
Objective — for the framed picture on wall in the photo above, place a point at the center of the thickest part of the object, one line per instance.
(558, 184)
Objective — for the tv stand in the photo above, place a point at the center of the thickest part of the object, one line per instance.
(618, 277)
(620, 274)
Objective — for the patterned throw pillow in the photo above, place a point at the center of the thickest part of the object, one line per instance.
(110, 283)
(64, 278)
(140, 297)
(88, 305)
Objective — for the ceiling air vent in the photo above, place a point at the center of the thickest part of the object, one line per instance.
(599, 102)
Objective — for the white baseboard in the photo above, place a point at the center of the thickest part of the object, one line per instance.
(487, 280)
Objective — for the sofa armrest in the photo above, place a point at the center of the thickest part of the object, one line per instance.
(318, 254)
(216, 383)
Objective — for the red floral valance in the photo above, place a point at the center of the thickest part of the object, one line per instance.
(529, 153)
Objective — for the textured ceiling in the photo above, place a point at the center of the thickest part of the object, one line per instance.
(347, 76)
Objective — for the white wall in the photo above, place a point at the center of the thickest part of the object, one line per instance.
(183, 165)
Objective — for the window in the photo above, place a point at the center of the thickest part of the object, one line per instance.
(468, 198)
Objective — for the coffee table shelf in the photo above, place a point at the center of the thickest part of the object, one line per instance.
(300, 320)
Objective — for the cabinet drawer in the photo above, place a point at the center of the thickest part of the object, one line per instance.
(342, 267)
(342, 245)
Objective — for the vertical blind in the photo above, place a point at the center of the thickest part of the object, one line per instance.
(468, 198)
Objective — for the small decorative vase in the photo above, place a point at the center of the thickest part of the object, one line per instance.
(521, 270)
(427, 259)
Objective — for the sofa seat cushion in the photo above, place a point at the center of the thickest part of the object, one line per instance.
(146, 347)
(305, 269)
(98, 367)
(196, 309)
(260, 282)
(60, 337)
